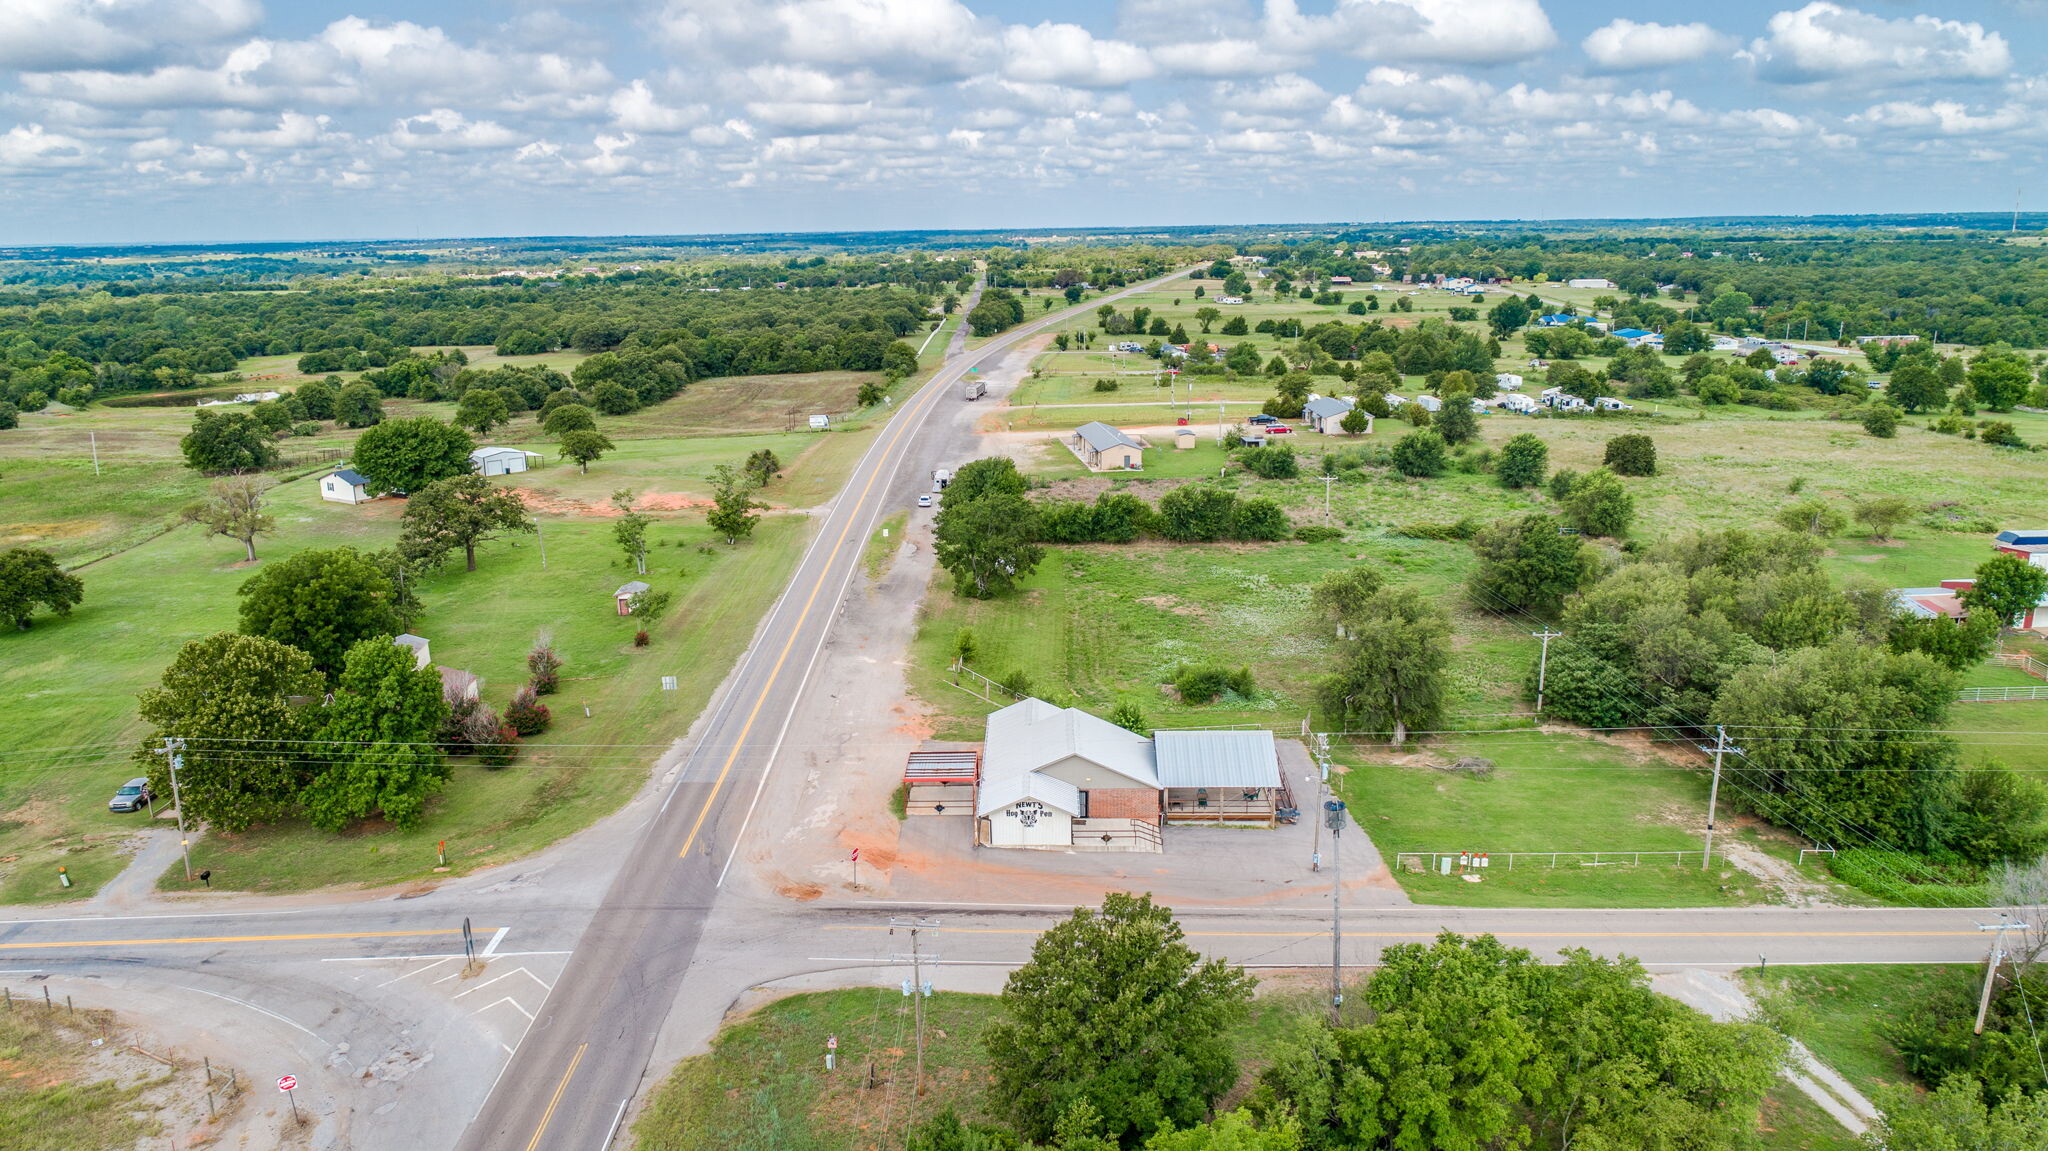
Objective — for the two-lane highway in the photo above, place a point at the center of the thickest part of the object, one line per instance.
(572, 1079)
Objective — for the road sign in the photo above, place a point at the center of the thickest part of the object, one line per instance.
(856, 855)
(287, 1082)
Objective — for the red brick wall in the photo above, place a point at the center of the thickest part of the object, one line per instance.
(1123, 803)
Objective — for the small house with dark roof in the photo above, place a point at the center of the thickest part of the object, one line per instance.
(624, 596)
(1326, 414)
(1106, 449)
(345, 486)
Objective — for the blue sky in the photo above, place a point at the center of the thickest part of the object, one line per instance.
(141, 120)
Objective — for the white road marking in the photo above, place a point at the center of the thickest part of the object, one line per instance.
(491, 948)
(257, 1010)
(450, 955)
(513, 1003)
(416, 971)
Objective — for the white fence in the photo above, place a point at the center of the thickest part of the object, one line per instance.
(2000, 694)
(1434, 860)
(2022, 661)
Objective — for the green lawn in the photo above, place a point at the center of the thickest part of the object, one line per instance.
(70, 744)
(1838, 1011)
(1547, 793)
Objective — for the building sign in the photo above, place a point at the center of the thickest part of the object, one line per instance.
(1027, 812)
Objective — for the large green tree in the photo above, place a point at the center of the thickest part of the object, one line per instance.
(1523, 461)
(458, 513)
(1116, 1012)
(320, 602)
(584, 446)
(1916, 386)
(2006, 585)
(234, 508)
(407, 455)
(32, 578)
(1599, 505)
(1530, 564)
(992, 476)
(1391, 666)
(242, 705)
(378, 740)
(225, 442)
(2001, 378)
(987, 543)
(482, 409)
(1956, 1117)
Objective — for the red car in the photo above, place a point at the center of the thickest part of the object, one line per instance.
(1278, 430)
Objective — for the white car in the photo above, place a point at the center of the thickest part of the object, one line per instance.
(924, 501)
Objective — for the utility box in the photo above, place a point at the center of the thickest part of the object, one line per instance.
(820, 423)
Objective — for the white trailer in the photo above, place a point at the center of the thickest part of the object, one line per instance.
(940, 478)
(973, 389)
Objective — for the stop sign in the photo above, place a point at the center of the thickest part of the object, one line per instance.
(287, 1082)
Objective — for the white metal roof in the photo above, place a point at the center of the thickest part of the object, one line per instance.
(1032, 733)
(995, 795)
(1326, 406)
(488, 453)
(1217, 758)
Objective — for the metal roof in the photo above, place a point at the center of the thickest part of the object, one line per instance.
(995, 795)
(630, 589)
(2033, 538)
(487, 452)
(1326, 406)
(1032, 734)
(942, 767)
(1217, 759)
(410, 640)
(1102, 437)
(352, 478)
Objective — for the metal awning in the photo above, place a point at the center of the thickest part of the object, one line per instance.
(942, 767)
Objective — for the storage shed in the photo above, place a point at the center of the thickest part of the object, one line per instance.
(500, 461)
(624, 596)
(345, 486)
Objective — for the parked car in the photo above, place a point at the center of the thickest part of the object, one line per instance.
(1279, 430)
(1262, 419)
(133, 796)
(924, 501)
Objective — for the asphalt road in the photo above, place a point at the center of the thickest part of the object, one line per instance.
(584, 1060)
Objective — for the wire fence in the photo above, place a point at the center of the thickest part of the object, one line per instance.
(1447, 862)
(2022, 661)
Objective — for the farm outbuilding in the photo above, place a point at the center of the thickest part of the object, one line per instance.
(422, 654)
(501, 461)
(345, 486)
(624, 596)
(1106, 449)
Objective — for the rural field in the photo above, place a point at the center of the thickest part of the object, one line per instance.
(152, 583)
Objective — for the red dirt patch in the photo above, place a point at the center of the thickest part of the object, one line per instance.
(801, 892)
(563, 505)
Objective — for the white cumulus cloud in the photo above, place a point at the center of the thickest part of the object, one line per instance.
(1626, 46)
(1826, 41)
(54, 35)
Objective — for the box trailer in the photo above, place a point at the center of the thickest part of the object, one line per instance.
(973, 389)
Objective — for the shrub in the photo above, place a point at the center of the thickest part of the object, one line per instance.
(640, 638)
(546, 668)
(1127, 716)
(456, 726)
(527, 715)
(308, 428)
(1106, 385)
(1522, 461)
(1017, 683)
(1463, 529)
(502, 746)
(1634, 454)
(1206, 683)
(1420, 453)
(1909, 880)
(1194, 513)
(1317, 533)
(1882, 421)
(2000, 433)
(1258, 519)
(1599, 505)
(1948, 425)
(1562, 482)
(1274, 462)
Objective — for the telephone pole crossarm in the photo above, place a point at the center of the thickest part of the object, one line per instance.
(1721, 747)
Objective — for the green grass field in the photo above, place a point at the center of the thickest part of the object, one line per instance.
(81, 674)
(1547, 793)
(1839, 1010)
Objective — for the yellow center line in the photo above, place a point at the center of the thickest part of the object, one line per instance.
(234, 938)
(548, 1116)
(1432, 933)
(903, 421)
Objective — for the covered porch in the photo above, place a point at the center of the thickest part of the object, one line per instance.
(1250, 806)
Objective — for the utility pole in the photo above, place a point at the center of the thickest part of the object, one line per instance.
(1543, 665)
(175, 749)
(1334, 819)
(1327, 481)
(1991, 965)
(94, 438)
(542, 540)
(1721, 747)
(917, 988)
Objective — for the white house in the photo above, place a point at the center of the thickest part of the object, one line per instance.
(345, 486)
(1590, 282)
(1326, 414)
(1507, 381)
(417, 644)
(500, 461)
(1429, 403)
